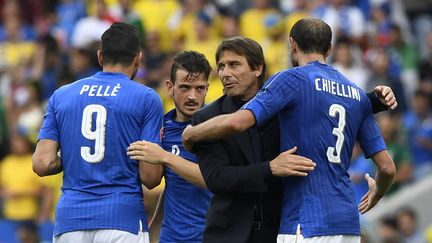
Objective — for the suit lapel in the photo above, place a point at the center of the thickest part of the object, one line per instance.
(245, 139)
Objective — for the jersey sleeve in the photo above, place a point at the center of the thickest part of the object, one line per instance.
(279, 92)
(369, 134)
(153, 118)
(49, 128)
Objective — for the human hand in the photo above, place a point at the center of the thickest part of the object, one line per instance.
(186, 138)
(289, 164)
(148, 152)
(386, 96)
(370, 199)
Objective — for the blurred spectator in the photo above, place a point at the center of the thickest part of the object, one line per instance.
(345, 20)
(418, 124)
(30, 114)
(14, 24)
(419, 13)
(407, 226)
(230, 26)
(16, 38)
(46, 65)
(24, 197)
(83, 62)
(407, 56)
(388, 231)
(28, 233)
(359, 167)
(204, 43)
(123, 11)
(345, 61)
(154, 58)
(379, 25)
(185, 18)
(155, 15)
(399, 151)
(380, 63)
(252, 21)
(275, 45)
(68, 13)
(425, 67)
(90, 29)
(300, 10)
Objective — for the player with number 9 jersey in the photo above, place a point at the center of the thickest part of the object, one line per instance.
(94, 120)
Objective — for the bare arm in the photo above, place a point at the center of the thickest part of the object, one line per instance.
(218, 127)
(150, 174)
(384, 179)
(154, 154)
(45, 158)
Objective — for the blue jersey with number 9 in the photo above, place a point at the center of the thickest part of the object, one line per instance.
(94, 120)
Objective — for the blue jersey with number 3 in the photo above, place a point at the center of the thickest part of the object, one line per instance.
(185, 204)
(322, 113)
(94, 120)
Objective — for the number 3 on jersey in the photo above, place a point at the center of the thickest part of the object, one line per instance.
(98, 135)
(338, 132)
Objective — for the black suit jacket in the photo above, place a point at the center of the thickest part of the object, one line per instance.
(237, 171)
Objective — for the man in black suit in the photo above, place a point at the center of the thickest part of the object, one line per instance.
(242, 170)
(247, 196)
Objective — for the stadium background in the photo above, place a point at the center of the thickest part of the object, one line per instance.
(45, 44)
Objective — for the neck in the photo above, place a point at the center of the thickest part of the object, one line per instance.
(180, 117)
(117, 68)
(304, 59)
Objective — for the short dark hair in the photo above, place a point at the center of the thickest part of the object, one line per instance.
(248, 48)
(192, 62)
(120, 44)
(312, 35)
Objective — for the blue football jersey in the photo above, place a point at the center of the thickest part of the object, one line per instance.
(322, 113)
(185, 204)
(94, 120)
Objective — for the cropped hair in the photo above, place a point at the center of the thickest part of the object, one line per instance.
(312, 35)
(120, 44)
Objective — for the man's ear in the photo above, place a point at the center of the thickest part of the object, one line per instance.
(100, 57)
(169, 87)
(292, 45)
(329, 50)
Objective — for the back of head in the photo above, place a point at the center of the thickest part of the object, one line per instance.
(248, 48)
(312, 35)
(192, 62)
(120, 44)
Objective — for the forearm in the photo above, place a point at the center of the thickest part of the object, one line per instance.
(186, 169)
(220, 127)
(386, 172)
(48, 167)
(45, 158)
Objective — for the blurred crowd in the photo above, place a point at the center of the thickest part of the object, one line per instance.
(45, 44)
